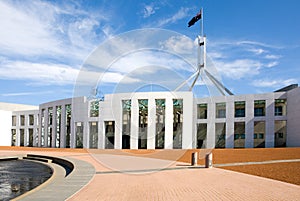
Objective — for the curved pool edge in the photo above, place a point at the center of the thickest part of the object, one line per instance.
(59, 187)
(57, 173)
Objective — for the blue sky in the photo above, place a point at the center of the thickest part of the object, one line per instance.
(254, 45)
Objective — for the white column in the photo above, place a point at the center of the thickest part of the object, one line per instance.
(151, 124)
(249, 123)
(187, 128)
(118, 133)
(169, 124)
(40, 128)
(63, 127)
(134, 124)
(229, 123)
(72, 134)
(211, 131)
(86, 134)
(54, 131)
(269, 138)
(101, 136)
(46, 128)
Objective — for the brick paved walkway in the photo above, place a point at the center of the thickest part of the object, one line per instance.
(187, 184)
(179, 184)
(174, 184)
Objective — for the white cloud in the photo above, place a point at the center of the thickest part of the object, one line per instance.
(273, 83)
(181, 13)
(238, 68)
(257, 51)
(137, 60)
(271, 56)
(82, 31)
(149, 10)
(27, 93)
(272, 64)
(23, 33)
(39, 73)
(216, 55)
(238, 59)
(45, 29)
(255, 43)
(179, 44)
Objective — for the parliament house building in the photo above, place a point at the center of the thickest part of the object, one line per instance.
(156, 120)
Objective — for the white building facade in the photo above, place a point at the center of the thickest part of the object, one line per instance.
(158, 120)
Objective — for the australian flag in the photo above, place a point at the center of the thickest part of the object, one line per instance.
(195, 19)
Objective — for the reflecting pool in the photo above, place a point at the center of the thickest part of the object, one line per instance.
(19, 176)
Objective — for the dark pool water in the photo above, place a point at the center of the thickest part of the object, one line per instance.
(21, 175)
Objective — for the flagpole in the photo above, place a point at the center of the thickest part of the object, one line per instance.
(202, 19)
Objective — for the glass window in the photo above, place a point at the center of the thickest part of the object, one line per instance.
(14, 120)
(50, 115)
(202, 111)
(50, 129)
(201, 136)
(13, 137)
(239, 134)
(30, 135)
(239, 108)
(177, 123)
(220, 135)
(94, 108)
(58, 126)
(259, 134)
(109, 134)
(143, 123)
(280, 134)
(94, 135)
(68, 112)
(280, 107)
(43, 127)
(22, 136)
(31, 119)
(160, 123)
(79, 134)
(220, 110)
(22, 120)
(126, 123)
(259, 108)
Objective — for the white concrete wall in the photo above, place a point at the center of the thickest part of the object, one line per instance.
(249, 118)
(293, 120)
(111, 110)
(5, 128)
(26, 126)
